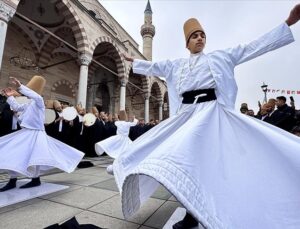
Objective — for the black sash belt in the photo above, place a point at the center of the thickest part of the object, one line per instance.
(199, 96)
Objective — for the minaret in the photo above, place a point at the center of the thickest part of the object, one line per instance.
(148, 32)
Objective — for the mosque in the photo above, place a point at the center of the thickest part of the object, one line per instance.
(77, 46)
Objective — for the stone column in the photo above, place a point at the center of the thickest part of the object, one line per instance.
(6, 14)
(147, 97)
(123, 94)
(85, 60)
(160, 110)
(90, 97)
(110, 86)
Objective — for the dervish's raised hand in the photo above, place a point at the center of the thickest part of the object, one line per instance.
(127, 57)
(15, 81)
(8, 92)
(294, 16)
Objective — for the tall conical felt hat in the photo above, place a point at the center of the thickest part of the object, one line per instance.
(49, 104)
(79, 107)
(37, 84)
(56, 104)
(190, 26)
(123, 115)
(94, 110)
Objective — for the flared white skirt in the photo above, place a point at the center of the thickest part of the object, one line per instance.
(228, 169)
(113, 146)
(32, 152)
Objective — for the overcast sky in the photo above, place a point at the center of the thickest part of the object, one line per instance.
(227, 24)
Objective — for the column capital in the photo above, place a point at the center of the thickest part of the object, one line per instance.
(147, 95)
(123, 82)
(85, 59)
(160, 103)
(6, 12)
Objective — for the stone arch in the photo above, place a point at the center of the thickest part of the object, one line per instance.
(64, 87)
(166, 97)
(103, 97)
(51, 44)
(118, 55)
(155, 86)
(75, 23)
(155, 99)
(166, 105)
(29, 40)
(135, 99)
(93, 66)
(61, 54)
(145, 81)
(128, 70)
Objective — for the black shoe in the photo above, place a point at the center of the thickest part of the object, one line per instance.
(33, 183)
(10, 185)
(188, 222)
(85, 164)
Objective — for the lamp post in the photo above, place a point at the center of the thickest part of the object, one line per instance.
(264, 88)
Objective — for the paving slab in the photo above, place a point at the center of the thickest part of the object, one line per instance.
(162, 215)
(84, 197)
(17, 195)
(37, 216)
(172, 198)
(96, 170)
(161, 193)
(113, 207)
(19, 205)
(71, 188)
(144, 227)
(103, 221)
(74, 178)
(109, 184)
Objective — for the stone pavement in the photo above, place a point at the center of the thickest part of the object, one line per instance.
(92, 198)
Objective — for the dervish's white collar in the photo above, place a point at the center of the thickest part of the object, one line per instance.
(196, 54)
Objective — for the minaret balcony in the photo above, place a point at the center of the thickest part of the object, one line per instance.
(148, 30)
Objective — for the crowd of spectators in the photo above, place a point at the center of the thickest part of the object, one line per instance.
(75, 132)
(278, 113)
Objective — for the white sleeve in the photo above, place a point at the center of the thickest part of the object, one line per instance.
(14, 105)
(148, 68)
(134, 122)
(276, 38)
(32, 95)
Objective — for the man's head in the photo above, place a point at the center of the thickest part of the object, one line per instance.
(280, 101)
(103, 115)
(95, 111)
(116, 117)
(57, 106)
(49, 104)
(82, 111)
(272, 102)
(109, 117)
(244, 108)
(250, 112)
(296, 131)
(141, 121)
(194, 35)
(266, 108)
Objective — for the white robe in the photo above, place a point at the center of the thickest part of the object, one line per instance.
(115, 145)
(229, 170)
(30, 151)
